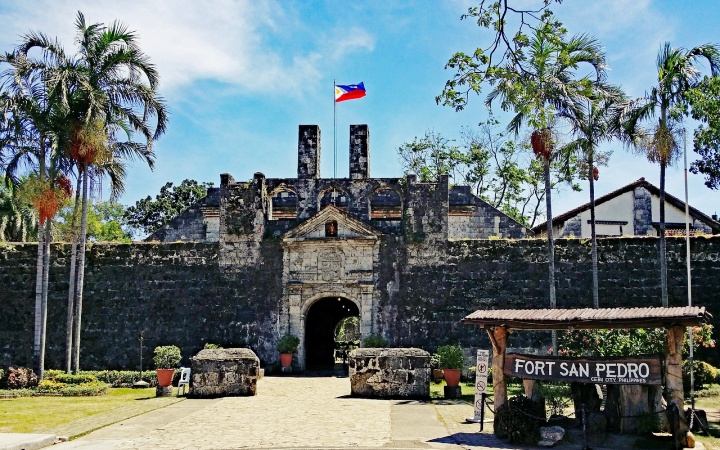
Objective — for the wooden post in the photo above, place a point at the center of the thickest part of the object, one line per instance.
(673, 382)
(498, 337)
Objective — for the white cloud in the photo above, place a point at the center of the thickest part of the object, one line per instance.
(229, 41)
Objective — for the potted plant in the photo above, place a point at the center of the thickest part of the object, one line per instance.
(451, 362)
(166, 358)
(287, 345)
(437, 373)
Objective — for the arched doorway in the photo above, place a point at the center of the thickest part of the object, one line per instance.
(320, 326)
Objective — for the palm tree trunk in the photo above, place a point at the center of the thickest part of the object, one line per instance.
(593, 236)
(37, 340)
(44, 307)
(551, 245)
(73, 280)
(663, 260)
(80, 270)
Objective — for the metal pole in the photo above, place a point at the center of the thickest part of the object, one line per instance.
(334, 133)
(689, 278)
(482, 412)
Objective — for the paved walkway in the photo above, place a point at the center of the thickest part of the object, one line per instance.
(295, 412)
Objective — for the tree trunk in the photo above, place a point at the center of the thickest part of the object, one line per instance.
(551, 245)
(38, 298)
(663, 260)
(498, 337)
(44, 307)
(80, 271)
(674, 393)
(72, 281)
(593, 236)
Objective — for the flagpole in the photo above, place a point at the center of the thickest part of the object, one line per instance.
(334, 133)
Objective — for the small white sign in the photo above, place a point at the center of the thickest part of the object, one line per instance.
(481, 374)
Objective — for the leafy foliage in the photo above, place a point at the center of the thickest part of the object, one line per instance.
(288, 344)
(19, 378)
(18, 221)
(625, 342)
(374, 341)
(704, 103)
(499, 170)
(105, 222)
(166, 356)
(55, 386)
(149, 215)
(450, 357)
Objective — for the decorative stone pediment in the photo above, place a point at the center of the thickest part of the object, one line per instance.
(331, 223)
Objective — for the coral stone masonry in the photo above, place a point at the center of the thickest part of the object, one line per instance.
(224, 372)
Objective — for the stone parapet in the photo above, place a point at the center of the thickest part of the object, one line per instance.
(390, 372)
(224, 372)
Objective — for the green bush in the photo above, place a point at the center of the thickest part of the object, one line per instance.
(52, 386)
(704, 374)
(374, 341)
(557, 397)
(288, 344)
(124, 378)
(210, 346)
(451, 357)
(74, 379)
(166, 357)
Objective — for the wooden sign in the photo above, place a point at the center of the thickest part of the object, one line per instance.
(630, 370)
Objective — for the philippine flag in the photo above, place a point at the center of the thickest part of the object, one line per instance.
(349, 92)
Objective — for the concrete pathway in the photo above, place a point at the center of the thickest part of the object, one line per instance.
(295, 412)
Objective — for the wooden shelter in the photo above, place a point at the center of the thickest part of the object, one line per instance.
(498, 323)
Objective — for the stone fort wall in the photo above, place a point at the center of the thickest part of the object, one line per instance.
(182, 294)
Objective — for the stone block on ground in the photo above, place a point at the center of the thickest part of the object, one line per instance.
(224, 372)
(163, 391)
(389, 372)
(550, 436)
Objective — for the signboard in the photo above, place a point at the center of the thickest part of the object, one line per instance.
(630, 370)
(481, 374)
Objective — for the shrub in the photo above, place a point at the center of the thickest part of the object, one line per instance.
(451, 357)
(52, 386)
(374, 341)
(210, 346)
(124, 378)
(20, 378)
(704, 373)
(74, 379)
(288, 344)
(166, 357)
(557, 397)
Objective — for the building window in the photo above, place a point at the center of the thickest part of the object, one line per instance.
(385, 204)
(331, 228)
(283, 205)
(335, 197)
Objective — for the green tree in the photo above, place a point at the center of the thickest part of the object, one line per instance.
(495, 167)
(18, 221)
(149, 215)
(704, 103)
(660, 140)
(105, 221)
(596, 122)
(32, 115)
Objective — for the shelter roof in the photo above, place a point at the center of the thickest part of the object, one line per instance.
(589, 318)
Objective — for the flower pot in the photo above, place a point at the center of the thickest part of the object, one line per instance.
(165, 376)
(437, 375)
(286, 359)
(452, 377)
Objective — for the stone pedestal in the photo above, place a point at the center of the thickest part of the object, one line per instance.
(452, 391)
(389, 372)
(286, 369)
(224, 372)
(163, 391)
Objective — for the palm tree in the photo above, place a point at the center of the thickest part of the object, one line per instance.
(18, 222)
(31, 115)
(677, 74)
(542, 87)
(592, 125)
(115, 95)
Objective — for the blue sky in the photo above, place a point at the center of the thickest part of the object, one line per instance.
(240, 76)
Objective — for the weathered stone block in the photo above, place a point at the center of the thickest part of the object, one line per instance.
(390, 372)
(224, 372)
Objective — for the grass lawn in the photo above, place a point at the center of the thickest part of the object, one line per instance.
(437, 391)
(30, 414)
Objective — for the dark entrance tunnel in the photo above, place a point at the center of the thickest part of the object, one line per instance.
(320, 324)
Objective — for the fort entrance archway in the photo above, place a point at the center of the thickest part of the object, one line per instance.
(321, 321)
